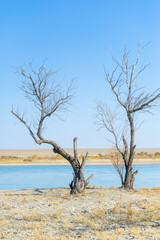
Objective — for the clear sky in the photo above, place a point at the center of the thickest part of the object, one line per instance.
(75, 36)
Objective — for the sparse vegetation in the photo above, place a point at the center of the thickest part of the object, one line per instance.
(157, 154)
(142, 154)
(105, 213)
(57, 158)
(27, 160)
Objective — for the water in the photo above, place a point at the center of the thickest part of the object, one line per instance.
(23, 177)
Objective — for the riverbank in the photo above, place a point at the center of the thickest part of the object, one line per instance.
(99, 213)
(49, 152)
(93, 162)
(46, 157)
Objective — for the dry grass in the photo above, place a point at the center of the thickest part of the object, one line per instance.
(100, 213)
(55, 215)
(144, 157)
(32, 216)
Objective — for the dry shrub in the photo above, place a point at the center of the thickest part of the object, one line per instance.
(130, 212)
(4, 235)
(116, 209)
(66, 224)
(92, 224)
(24, 200)
(135, 231)
(3, 222)
(7, 207)
(98, 213)
(38, 235)
(86, 221)
(107, 235)
(5, 157)
(142, 233)
(32, 215)
(150, 192)
(27, 160)
(56, 214)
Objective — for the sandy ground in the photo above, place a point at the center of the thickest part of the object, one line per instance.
(46, 157)
(49, 152)
(90, 163)
(99, 213)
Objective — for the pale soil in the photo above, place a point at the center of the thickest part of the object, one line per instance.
(49, 152)
(41, 157)
(65, 163)
(100, 213)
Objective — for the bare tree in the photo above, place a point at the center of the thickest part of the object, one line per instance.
(131, 99)
(49, 99)
(118, 164)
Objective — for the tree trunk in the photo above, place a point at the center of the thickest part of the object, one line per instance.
(128, 181)
(129, 178)
(129, 174)
(78, 184)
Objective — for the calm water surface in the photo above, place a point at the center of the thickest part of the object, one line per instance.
(23, 177)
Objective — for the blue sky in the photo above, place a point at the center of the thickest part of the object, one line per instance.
(75, 36)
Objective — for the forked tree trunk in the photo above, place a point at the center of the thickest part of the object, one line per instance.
(78, 184)
(129, 178)
(128, 160)
(129, 173)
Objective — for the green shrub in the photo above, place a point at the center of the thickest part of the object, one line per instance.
(157, 154)
(142, 154)
(100, 155)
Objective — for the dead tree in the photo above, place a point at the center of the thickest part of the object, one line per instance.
(49, 99)
(130, 99)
